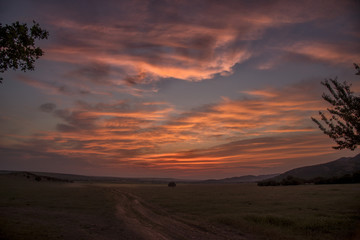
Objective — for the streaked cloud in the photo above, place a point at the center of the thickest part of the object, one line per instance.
(267, 152)
(47, 107)
(149, 87)
(166, 51)
(333, 53)
(53, 87)
(163, 40)
(267, 129)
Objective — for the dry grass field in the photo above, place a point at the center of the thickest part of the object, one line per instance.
(54, 210)
(50, 210)
(282, 212)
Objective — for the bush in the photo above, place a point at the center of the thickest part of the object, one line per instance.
(172, 184)
(290, 180)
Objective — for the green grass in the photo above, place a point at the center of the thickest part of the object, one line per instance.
(283, 212)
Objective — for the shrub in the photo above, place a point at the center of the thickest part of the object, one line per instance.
(172, 184)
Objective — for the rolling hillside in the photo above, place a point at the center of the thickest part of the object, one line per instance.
(337, 168)
(242, 179)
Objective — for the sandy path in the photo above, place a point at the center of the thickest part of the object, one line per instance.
(157, 225)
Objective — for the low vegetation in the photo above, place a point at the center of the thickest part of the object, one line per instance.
(286, 212)
(38, 178)
(33, 209)
(291, 180)
(47, 210)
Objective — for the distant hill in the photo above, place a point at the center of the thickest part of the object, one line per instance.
(337, 168)
(242, 179)
(47, 176)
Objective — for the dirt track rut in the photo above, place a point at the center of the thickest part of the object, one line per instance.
(155, 224)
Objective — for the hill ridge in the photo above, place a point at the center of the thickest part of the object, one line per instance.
(335, 168)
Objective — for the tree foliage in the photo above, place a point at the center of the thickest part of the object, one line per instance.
(17, 46)
(343, 124)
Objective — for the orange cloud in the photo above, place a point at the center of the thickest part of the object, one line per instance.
(267, 129)
(177, 48)
(270, 152)
(133, 47)
(348, 53)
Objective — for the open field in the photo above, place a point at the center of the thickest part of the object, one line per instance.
(52, 210)
(48, 210)
(285, 212)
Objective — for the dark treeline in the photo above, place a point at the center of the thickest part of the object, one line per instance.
(38, 178)
(291, 180)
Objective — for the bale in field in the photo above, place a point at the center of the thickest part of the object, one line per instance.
(172, 184)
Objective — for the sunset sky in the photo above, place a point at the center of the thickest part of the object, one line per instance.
(186, 89)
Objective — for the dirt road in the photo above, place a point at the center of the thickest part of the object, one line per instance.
(151, 223)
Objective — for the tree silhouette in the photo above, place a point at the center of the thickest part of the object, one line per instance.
(344, 124)
(17, 46)
(172, 184)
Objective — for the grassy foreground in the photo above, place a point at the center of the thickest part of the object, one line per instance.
(48, 210)
(53, 210)
(283, 212)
